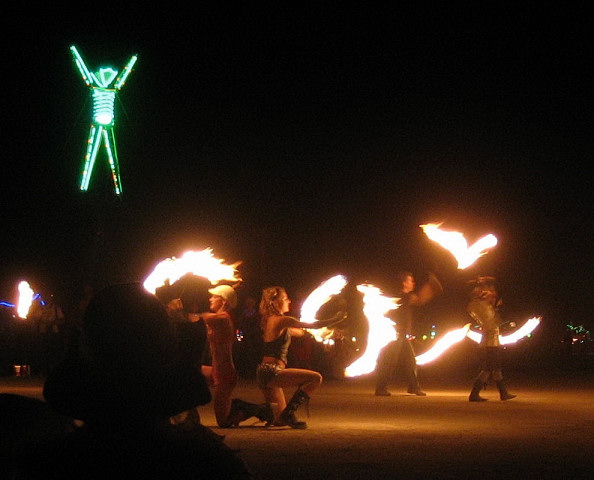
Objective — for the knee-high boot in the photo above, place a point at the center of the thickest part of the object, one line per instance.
(476, 388)
(241, 410)
(287, 416)
(503, 393)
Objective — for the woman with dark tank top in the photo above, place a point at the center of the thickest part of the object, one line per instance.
(272, 373)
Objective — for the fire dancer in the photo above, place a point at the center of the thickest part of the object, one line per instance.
(483, 308)
(272, 374)
(222, 374)
(400, 352)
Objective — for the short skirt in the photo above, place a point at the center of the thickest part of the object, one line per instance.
(266, 372)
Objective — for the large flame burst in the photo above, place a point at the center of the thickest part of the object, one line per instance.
(457, 245)
(200, 263)
(381, 329)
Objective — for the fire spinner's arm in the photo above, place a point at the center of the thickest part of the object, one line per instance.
(294, 323)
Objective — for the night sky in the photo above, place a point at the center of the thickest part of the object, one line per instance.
(307, 142)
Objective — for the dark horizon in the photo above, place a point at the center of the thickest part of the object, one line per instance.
(310, 143)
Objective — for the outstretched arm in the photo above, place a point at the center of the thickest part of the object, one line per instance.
(125, 73)
(326, 322)
(82, 68)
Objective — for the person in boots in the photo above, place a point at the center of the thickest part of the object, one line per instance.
(222, 374)
(483, 308)
(272, 373)
(400, 353)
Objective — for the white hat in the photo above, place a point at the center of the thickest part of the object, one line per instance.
(227, 293)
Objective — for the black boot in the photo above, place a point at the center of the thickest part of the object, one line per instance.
(415, 389)
(241, 411)
(287, 416)
(474, 394)
(503, 393)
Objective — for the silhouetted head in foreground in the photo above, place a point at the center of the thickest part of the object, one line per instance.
(126, 367)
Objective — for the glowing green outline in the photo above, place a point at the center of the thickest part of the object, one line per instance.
(103, 119)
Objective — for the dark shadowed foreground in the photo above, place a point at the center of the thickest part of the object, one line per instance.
(547, 432)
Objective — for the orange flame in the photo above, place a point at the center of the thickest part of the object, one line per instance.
(444, 343)
(526, 329)
(381, 329)
(318, 297)
(201, 263)
(26, 295)
(457, 245)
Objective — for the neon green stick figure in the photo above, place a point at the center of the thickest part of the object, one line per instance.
(104, 84)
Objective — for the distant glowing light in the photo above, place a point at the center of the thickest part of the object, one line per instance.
(381, 329)
(101, 131)
(200, 263)
(314, 301)
(25, 300)
(457, 245)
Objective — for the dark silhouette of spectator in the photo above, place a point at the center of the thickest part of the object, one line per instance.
(124, 382)
(25, 420)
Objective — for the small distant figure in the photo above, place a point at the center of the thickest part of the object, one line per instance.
(483, 308)
(123, 383)
(49, 321)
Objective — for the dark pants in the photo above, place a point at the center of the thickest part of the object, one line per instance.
(399, 353)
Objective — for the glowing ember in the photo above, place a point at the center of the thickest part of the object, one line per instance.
(443, 344)
(526, 329)
(201, 263)
(457, 245)
(381, 329)
(26, 296)
(318, 297)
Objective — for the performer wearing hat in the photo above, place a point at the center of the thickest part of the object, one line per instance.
(222, 375)
(483, 308)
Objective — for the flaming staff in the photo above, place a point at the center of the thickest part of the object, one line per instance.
(526, 329)
(443, 344)
(457, 245)
(202, 263)
(455, 336)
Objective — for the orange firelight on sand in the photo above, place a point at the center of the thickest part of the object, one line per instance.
(26, 296)
(457, 245)
(381, 329)
(200, 263)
